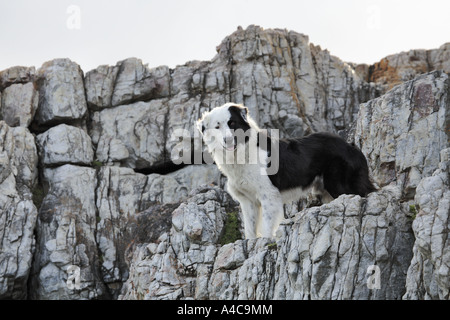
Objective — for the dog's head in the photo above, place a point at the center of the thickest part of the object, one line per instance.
(220, 125)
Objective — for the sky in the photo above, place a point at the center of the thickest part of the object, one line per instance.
(172, 32)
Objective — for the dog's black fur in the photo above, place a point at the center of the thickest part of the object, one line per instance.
(342, 166)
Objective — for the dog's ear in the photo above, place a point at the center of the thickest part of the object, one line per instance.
(244, 113)
(200, 126)
(240, 110)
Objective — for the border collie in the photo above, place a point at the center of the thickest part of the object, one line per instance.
(321, 163)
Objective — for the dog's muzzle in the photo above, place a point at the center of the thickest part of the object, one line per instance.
(229, 143)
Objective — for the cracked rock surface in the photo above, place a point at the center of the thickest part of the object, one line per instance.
(90, 180)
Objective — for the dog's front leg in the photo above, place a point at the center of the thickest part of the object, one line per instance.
(272, 214)
(249, 211)
(249, 215)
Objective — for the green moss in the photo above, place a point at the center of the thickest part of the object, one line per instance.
(38, 195)
(414, 210)
(97, 164)
(272, 246)
(231, 231)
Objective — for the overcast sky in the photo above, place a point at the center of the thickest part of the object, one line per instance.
(171, 32)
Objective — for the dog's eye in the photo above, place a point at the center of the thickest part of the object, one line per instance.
(231, 123)
(218, 127)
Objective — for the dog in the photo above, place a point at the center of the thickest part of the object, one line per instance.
(321, 163)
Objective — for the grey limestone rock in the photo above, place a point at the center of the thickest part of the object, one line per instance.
(126, 82)
(18, 214)
(322, 253)
(65, 144)
(17, 74)
(66, 230)
(428, 275)
(18, 104)
(402, 132)
(61, 92)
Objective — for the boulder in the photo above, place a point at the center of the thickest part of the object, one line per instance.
(65, 144)
(61, 93)
(18, 74)
(126, 82)
(18, 104)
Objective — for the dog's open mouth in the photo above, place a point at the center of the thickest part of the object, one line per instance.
(230, 147)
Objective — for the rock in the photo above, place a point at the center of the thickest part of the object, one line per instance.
(126, 82)
(244, 270)
(66, 231)
(18, 104)
(136, 81)
(323, 253)
(65, 144)
(142, 135)
(168, 268)
(18, 214)
(121, 195)
(278, 72)
(405, 66)
(128, 201)
(428, 275)
(18, 155)
(16, 74)
(327, 252)
(176, 186)
(99, 85)
(61, 93)
(286, 82)
(402, 132)
(140, 128)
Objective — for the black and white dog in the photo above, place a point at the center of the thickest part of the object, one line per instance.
(321, 162)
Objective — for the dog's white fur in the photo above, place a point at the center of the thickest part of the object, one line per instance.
(261, 202)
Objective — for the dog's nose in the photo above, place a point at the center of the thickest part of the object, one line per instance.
(228, 140)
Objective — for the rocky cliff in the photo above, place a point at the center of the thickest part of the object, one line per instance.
(87, 181)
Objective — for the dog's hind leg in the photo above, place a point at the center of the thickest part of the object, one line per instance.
(318, 190)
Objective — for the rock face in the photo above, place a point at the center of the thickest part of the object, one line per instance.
(93, 203)
(428, 274)
(66, 236)
(403, 132)
(322, 253)
(18, 174)
(397, 68)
